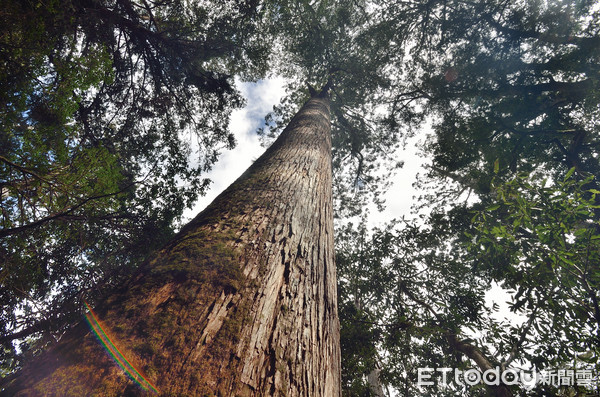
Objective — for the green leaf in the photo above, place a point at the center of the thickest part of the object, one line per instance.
(569, 174)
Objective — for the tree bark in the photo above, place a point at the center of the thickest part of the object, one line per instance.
(482, 362)
(241, 303)
(374, 382)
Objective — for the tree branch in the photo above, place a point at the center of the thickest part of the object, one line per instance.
(19, 229)
(467, 349)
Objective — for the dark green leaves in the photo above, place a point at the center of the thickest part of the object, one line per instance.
(111, 113)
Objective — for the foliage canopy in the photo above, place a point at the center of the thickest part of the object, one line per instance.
(111, 111)
(511, 89)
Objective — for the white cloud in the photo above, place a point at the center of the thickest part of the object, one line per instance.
(260, 97)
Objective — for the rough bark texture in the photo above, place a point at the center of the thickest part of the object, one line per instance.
(241, 303)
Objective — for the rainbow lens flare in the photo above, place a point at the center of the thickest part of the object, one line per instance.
(116, 353)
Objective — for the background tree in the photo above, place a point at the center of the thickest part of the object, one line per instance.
(513, 82)
(510, 87)
(413, 296)
(103, 104)
(544, 244)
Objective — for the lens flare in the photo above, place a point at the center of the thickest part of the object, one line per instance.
(116, 353)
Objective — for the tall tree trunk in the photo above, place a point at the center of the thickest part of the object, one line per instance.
(241, 303)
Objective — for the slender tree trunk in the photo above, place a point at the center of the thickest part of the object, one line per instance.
(374, 382)
(241, 303)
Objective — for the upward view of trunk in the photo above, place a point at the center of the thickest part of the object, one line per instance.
(241, 303)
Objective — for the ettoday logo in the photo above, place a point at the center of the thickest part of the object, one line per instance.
(496, 376)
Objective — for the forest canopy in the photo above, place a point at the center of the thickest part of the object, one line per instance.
(112, 112)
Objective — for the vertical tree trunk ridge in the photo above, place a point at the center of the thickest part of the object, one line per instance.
(241, 303)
